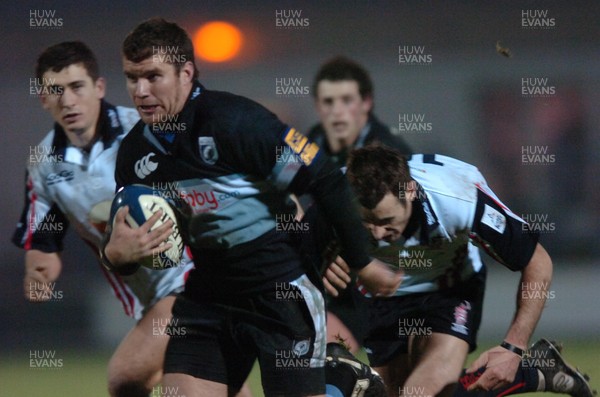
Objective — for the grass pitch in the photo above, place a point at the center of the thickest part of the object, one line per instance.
(84, 374)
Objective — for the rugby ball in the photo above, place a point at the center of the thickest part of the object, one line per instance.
(143, 202)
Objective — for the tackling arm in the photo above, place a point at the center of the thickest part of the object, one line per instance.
(332, 192)
(502, 364)
(532, 293)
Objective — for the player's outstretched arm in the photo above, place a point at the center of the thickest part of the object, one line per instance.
(41, 268)
(127, 245)
(501, 364)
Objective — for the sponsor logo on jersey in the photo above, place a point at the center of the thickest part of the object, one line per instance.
(57, 177)
(144, 166)
(202, 197)
(486, 190)
(461, 315)
(429, 215)
(301, 347)
(494, 219)
(300, 145)
(200, 201)
(208, 149)
(196, 93)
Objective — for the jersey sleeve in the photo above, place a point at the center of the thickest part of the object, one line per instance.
(503, 235)
(293, 162)
(42, 225)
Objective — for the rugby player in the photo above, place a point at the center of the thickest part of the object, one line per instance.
(427, 216)
(223, 148)
(343, 95)
(72, 174)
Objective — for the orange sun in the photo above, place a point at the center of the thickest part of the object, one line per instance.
(217, 41)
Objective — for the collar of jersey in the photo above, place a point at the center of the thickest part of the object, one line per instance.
(160, 139)
(419, 219)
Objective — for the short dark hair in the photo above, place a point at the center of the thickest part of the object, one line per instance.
(376, 170)
(141, 43)
(341, 68)
(62, 55)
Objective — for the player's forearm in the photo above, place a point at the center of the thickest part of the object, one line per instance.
(335, 199)
(531, 298)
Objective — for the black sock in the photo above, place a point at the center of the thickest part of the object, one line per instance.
(526, 381)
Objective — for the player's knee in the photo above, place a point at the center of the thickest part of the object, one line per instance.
(122, 382)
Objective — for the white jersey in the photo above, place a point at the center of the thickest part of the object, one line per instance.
(455, 212)
(69, 186)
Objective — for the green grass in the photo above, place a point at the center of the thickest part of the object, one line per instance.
(81, 374)
(84, 373)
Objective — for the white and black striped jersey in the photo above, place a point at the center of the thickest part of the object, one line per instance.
(455, 212)
(67, 185)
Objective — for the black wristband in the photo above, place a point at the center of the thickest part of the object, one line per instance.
(124, 270)
(512, 348)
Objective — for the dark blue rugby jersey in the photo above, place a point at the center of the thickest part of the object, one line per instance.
(235, 163)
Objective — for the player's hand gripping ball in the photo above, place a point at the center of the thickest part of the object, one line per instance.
(143, 202)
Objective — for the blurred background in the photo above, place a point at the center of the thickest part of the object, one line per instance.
(512, 87)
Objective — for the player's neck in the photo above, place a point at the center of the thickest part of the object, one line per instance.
(83, 139)
(337, 145)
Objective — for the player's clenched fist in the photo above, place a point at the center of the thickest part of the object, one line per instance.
(41, 269)
(379, 279)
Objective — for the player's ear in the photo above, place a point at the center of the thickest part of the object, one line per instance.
(367, 103)
(186, 73)
(100, 87)
(44, 101)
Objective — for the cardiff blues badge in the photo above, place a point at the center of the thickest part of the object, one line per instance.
(208, 149)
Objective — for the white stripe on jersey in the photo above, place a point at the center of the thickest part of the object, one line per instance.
(316, 306)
